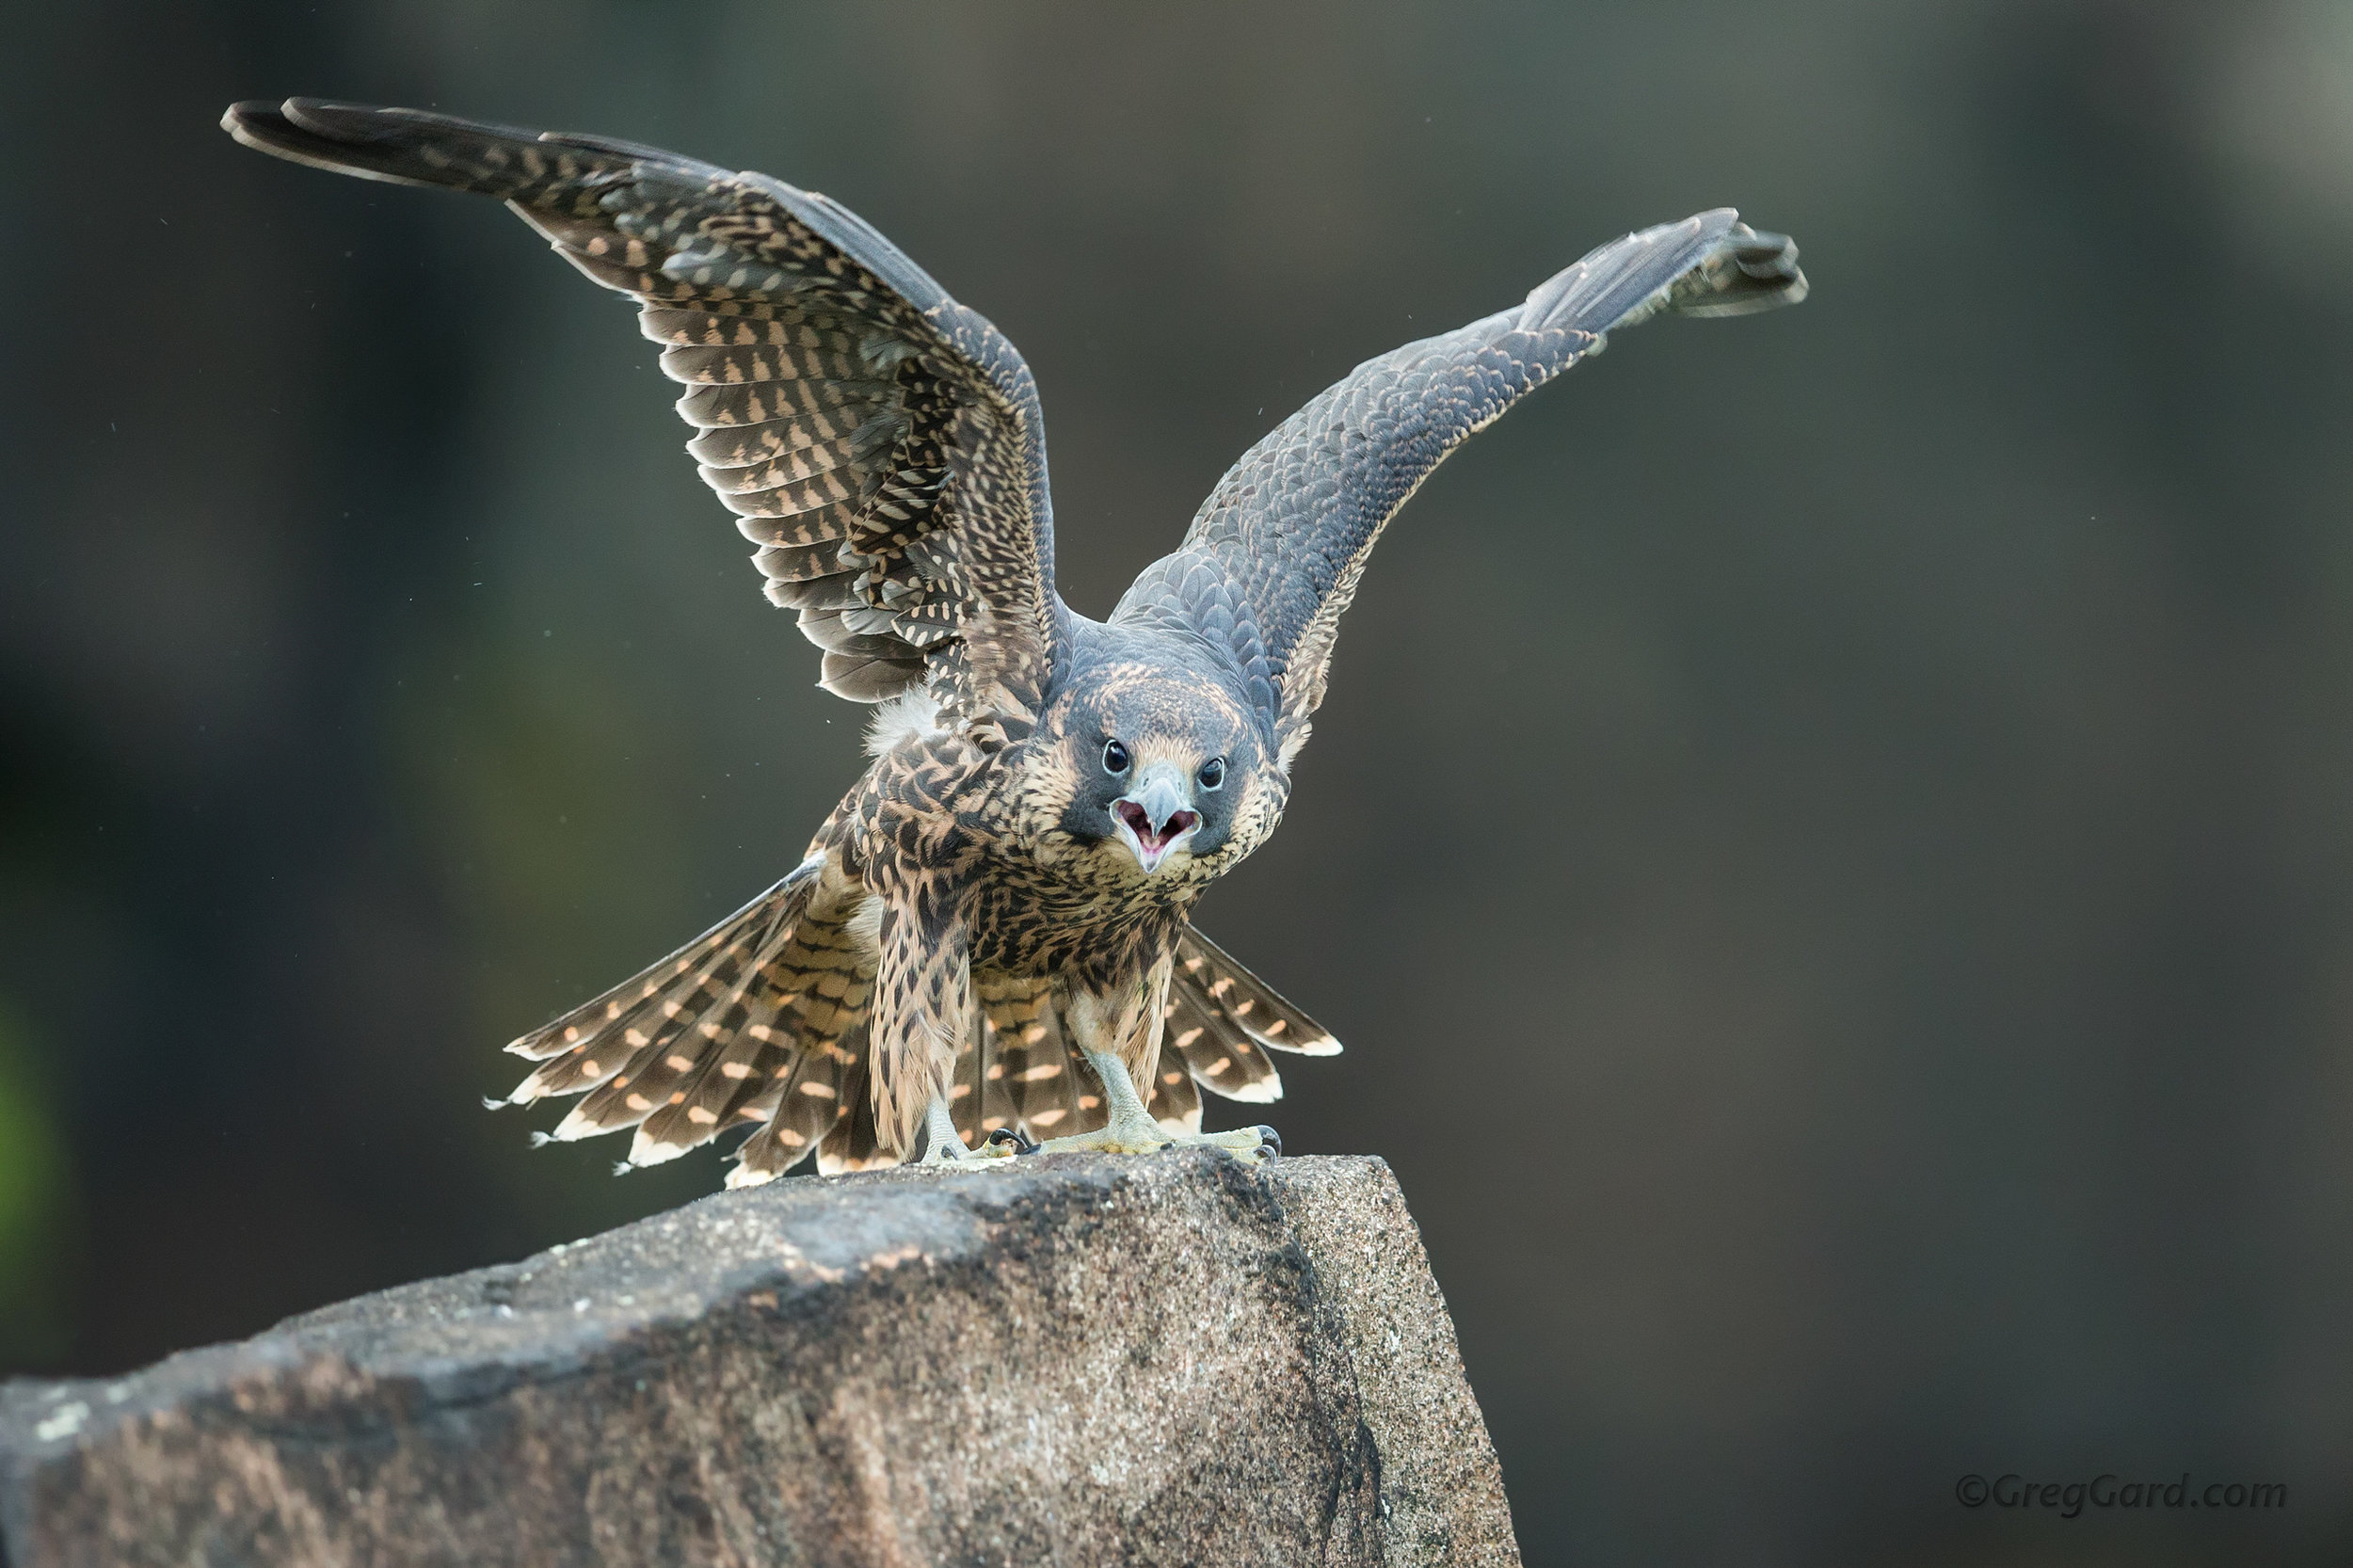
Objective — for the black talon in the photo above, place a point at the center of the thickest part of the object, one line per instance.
(1008, 1135)
(1270, 1139)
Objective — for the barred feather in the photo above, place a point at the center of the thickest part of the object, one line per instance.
(598, 1028)
(853, 1144)
(1226, 989)
(826, 410)
(1215, 1052)
(832, 491)
(823, 1090)
(733, 446)
(796, 465)
(798, 562)
(796, 328)
(980, 1097)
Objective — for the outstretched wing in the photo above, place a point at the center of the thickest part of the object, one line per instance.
(1273, 557)
(881, 443)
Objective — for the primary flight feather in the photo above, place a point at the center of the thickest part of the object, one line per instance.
(989, 937)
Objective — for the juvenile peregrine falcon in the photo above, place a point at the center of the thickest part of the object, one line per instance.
(989, 936)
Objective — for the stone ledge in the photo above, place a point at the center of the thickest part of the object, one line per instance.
(1076, 1360)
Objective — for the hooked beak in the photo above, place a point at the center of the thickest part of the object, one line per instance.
(1156, 819)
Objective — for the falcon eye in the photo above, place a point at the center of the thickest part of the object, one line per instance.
(1114, 758)
(1213, 772)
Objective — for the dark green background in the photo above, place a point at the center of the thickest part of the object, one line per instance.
(1830, 846)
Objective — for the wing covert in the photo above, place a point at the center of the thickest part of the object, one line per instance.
(1273, 557)
(882, 444)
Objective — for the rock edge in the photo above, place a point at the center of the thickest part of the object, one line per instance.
(1076, 1359)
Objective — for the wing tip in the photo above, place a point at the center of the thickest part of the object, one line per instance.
(374, 141)
(316, 131)
(1707, 264)
(1746, 270)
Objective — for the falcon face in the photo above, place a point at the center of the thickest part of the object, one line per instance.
(1161, 765)
(990, 936)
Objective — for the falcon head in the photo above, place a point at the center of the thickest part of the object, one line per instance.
(1160, 760)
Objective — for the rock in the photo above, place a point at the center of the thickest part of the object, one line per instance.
(1072, 1359)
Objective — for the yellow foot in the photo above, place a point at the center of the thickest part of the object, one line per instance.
(994, 1151)
(1251, 1145)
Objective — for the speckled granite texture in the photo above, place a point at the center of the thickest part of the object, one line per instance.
(1076, 1359)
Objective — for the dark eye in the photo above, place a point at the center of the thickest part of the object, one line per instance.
(1213, 772)
(1114, 758)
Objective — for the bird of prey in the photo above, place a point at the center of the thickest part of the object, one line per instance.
(989, 941)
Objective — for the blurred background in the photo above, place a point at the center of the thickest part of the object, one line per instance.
(1852, 958)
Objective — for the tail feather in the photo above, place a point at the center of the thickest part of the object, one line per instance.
(1045, 1094)
(759, 1020)
(603, 1016)
(1056, 1094)
(1224, 988)
(685, 1034)
(700, 1111)
(822, 1090)
(1176, 1102)
(720, 1054)
(813, 1069)
(763, 1023)
(1221, 1018)
(605, 1039)
(853, 1144)
(1050, 1093)
(768, 1073)
(1216, 1052)
(716, 1062)
(979, 1098)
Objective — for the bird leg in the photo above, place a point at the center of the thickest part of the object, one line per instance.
(944, 1150)
(1132, 1130)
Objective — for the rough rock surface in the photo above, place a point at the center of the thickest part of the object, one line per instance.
(1071, 1360)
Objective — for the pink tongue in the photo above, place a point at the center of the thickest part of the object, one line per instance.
(1141, 825)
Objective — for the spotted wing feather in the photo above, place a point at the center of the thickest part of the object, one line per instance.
(882, 444)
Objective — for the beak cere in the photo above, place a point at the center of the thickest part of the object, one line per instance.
(1155, 819)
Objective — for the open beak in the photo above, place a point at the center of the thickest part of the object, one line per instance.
(1157, 818)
